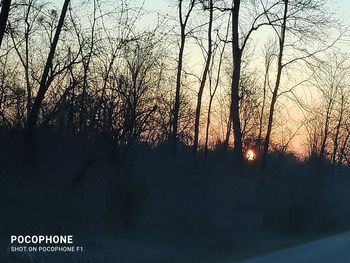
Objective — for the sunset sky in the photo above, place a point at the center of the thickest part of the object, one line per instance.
(194, 59)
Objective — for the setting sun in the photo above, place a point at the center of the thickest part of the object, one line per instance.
(250, 155)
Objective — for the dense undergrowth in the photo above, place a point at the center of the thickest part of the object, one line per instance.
(92, 189)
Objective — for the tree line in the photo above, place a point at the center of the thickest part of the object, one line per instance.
(102, 69)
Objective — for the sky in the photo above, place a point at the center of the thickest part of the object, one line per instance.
(164, 7)
(342, 7)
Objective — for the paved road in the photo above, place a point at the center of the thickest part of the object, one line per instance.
(333, 249)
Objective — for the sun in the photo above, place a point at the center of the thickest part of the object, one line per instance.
(250, 155)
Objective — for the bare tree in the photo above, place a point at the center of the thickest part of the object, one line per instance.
(303, 21)
(45, 82)
(342, 152)
(338, 129)
(4, 13)
(240, 39)
(204, 76)
(281, 43)
(183, 20)
(214, 87)
(237, 60)
(86, 66)
(269, 52)
(329, 77)
(33, 13)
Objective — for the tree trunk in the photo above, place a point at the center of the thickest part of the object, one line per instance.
(326, 131)
(336, 137)
(261, 119)
(228, 130)
(217, 81)
(203, 80)
(175, 118)
(342, 150)
(4, 13)
(237, 59)
(26, 61)
(277, 84)
(44, 84)
(178, 90)
(86, 66)
(208, 126)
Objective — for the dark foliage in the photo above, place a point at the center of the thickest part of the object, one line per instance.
(93, 188)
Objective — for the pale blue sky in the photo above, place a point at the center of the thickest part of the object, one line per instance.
(166, 6)
(344, 5)
(344, 9)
